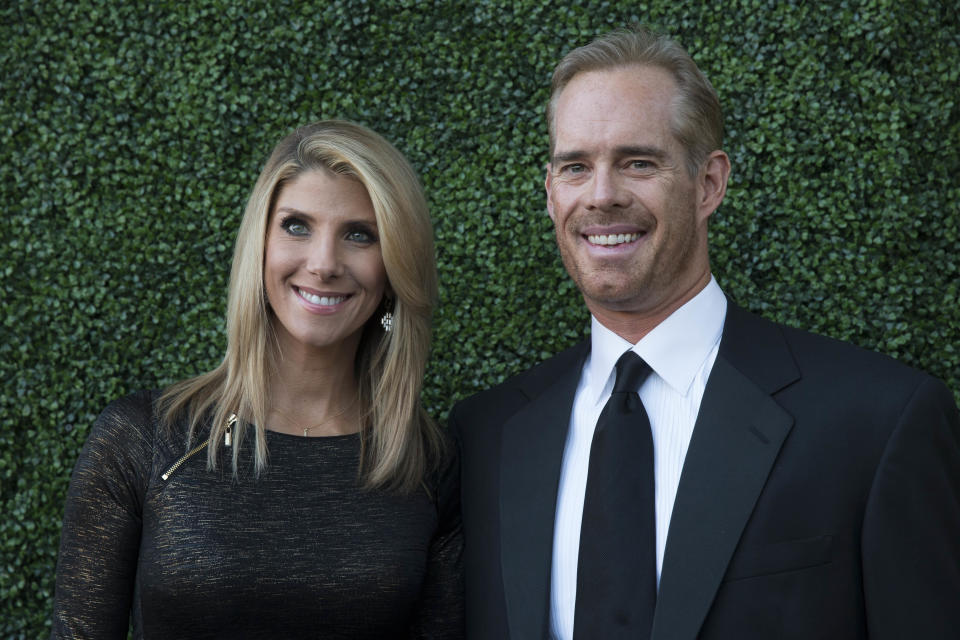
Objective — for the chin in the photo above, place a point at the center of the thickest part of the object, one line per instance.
(610, 292)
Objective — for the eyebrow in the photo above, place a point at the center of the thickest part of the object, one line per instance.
(619, 152)
(280, 213)
(311, 217)
(292, 210)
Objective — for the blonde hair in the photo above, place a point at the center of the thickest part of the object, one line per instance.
(399, 441)
(697, 120)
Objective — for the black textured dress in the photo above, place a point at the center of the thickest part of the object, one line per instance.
(300, 552)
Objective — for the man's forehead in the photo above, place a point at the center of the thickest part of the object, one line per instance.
(616, 108)
(635, 79)
(637, 134)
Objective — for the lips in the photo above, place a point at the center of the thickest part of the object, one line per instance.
(612, 239)
(612, 235)
(321, 299)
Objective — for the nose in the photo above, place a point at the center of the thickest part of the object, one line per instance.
(323, 259)
(607, 190)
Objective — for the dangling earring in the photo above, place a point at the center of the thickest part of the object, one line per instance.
(387, 320)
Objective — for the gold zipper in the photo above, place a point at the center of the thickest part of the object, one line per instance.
(232, 420)
(184, 458)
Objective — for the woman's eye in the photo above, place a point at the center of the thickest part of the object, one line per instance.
(361, 236)
(294, 227)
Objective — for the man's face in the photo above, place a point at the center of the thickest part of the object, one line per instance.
(630, 222)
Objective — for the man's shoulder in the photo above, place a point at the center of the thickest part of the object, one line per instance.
(815, 355)
(522, 387)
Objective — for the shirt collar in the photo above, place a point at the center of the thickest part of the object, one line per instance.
(676, 348)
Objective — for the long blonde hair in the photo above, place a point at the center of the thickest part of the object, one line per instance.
(399, 441)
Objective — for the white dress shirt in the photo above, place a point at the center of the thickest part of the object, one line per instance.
(681, 351)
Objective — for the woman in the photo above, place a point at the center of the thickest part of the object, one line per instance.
(323, 508)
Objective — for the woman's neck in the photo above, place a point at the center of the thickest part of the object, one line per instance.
(313, 395)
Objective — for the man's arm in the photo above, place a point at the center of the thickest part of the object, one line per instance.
(911, 527)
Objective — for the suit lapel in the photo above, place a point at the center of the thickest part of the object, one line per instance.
(736, 439)
(532, 450)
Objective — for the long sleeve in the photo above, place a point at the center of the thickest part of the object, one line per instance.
(302, 551)
(911, 530)
(440, 611)
(99, 544)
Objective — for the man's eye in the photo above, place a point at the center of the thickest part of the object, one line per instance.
(294, 227)
(641, 165)
(573, 169)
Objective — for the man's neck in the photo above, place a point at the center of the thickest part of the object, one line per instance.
(632, 325)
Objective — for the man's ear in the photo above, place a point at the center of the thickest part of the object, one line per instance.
(546, 185)
(712, 184)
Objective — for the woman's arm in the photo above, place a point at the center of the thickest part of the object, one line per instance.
(439, 613)
(100, 540)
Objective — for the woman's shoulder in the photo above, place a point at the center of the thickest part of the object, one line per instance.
(137, 407)
(120, 445)
(137, 425)
(146, 413)
(133, 416)
(135, 434)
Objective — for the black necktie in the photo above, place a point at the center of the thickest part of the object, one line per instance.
(617, 567)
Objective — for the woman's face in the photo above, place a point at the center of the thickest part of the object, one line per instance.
(323, 271)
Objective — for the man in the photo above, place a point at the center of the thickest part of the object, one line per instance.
(781, 484)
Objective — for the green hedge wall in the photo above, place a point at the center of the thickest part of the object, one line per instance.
(131, 134)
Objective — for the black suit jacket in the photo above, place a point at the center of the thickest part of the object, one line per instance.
(820, 496)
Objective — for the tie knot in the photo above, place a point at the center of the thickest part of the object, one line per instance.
(632, 370)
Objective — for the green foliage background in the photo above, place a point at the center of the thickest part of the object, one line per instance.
(131, 134)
